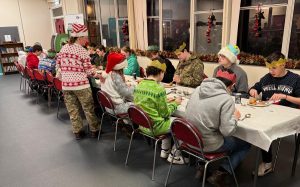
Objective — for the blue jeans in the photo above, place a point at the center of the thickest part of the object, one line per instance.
(236, 149)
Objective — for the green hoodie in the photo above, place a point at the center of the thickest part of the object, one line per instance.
(152, 98)
(133, 66)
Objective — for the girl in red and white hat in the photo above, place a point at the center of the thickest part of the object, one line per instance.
(115, 85)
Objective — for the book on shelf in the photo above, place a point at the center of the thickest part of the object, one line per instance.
(9, 59)
(10, 50)
(19, 49)
(3, 50)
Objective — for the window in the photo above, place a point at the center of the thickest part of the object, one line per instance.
(105, 23)
(176, 23)
(263, 2)
(153, 22)
(92, 11)
(108, 22)
(294, 50)
(207, 43)
(269, 39)
(123, 23)
(57, 12)
(206, 5)
(201, 40)
(122, 9)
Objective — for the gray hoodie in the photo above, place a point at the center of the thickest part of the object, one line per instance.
(211, 109)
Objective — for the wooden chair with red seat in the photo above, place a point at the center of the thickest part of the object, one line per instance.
(141, 118)
(107, 104)
(188, 139)
(41, 82)
(30, 79)
(23, 76)
(58, 87)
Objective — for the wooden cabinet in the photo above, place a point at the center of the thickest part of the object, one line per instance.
(8, 55)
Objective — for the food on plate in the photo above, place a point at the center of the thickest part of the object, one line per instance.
(169, 85)
(252, 100)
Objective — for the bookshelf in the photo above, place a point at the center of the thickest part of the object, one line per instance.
(8, 55)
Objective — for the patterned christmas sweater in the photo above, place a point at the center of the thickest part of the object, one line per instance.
(151, 97)
(75, 65)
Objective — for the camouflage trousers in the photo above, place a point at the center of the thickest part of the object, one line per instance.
(74, 100)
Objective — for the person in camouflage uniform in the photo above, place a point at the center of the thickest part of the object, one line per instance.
(190, 70)
(75, 64)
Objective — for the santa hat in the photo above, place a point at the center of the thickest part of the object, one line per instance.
(115, 61)
(230, 52)
(226, 75)
(79, 30)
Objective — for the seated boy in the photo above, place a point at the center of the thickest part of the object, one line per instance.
(280, 86)
(48, 64)
(212, 110)
(151, 96)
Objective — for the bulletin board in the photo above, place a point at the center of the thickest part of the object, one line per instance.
(13, 31)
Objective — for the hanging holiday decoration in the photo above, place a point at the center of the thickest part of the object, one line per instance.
(257, 22)
(125, 31)
(210, 24)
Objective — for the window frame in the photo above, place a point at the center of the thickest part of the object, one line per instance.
(99, 19)
(287, 25)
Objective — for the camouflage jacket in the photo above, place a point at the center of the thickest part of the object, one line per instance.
(190, 72)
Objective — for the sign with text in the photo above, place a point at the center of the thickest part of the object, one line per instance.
(72, 18)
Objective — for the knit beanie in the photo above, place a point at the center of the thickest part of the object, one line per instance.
(79, 30)
(230, 52)
(115, 61)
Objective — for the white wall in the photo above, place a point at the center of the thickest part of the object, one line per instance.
(31, 17)
(255, 73)
(72, 6)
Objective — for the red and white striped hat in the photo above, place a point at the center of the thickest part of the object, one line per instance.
(79, 30)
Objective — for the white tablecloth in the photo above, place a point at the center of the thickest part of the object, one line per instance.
(265, 124)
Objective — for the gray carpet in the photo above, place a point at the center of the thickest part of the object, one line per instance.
(37, 149)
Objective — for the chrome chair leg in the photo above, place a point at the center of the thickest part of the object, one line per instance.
(154, 160)
(129, 147)
(166, 182)
(100, 126)
(204, 173)
(233, 174)
(116, 132)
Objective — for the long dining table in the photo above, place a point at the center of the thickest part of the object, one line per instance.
(260, 128)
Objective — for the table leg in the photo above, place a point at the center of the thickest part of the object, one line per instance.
(256, 166)
(296, 155)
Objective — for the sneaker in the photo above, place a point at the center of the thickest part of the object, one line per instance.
(218, 178)
(178, 159)
(264, 168)
(199, 172)
(164, 153)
